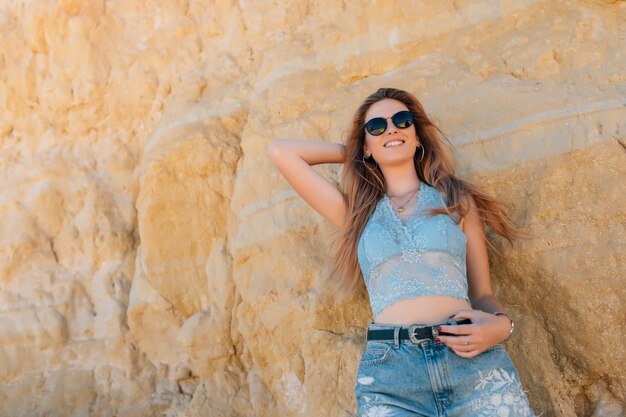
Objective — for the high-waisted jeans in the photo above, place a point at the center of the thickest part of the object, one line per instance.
(399, 378)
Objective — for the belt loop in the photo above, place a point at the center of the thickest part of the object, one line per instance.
(396, 337)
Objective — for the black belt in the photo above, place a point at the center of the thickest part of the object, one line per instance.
(414, 333)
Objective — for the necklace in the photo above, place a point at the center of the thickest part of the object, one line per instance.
(401, 206)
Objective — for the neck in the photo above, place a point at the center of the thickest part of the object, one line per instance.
(401, 179)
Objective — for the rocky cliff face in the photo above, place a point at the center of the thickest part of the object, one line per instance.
(153, 262)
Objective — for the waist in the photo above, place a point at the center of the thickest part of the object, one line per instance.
(424, 309)
(415, 332)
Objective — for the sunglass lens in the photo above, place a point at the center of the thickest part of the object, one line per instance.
(376, 126)
(403, 119)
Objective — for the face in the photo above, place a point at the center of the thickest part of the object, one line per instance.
(405, 140)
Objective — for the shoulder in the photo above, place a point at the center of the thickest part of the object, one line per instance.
(469, 212)
(468, 203)
(433, 195)
(436, 198)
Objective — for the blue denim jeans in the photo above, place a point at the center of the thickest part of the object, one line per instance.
(399, 378)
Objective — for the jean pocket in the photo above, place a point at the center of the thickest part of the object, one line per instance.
(375, 352)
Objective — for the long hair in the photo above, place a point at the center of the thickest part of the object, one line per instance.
(363, 185)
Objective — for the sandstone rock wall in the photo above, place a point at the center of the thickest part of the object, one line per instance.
(153, 262)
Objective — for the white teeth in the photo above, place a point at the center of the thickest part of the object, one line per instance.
(394, 143)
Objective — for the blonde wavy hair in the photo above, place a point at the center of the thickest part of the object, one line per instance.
(363, 185)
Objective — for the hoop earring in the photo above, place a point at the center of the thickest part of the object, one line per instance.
(365, 162)
(422, 148)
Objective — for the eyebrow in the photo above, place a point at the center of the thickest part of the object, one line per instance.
(370, 118)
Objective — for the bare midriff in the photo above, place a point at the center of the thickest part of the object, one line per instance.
(425, 309)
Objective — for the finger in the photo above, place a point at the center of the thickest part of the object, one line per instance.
(457, 329)
(454, 341)
(463, 343)
(463, 348)
(464, 314)
(467, 355)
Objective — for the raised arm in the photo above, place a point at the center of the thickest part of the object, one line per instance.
(294, 159)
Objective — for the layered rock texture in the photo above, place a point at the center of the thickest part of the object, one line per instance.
(154, 263)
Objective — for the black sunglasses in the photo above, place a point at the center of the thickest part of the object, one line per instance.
(378, 125)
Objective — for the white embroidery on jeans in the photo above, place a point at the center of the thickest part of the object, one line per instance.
(502, 395)
(365, 380)
(371, 410)
(378, 411)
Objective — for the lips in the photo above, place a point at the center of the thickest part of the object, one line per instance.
(393, 140)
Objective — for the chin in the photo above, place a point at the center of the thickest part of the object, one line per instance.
(397, 160)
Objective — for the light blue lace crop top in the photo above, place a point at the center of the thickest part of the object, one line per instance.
(424, 255)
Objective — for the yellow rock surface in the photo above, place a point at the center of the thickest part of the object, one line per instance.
(154, 262)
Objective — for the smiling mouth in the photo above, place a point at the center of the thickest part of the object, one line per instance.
(394, 143)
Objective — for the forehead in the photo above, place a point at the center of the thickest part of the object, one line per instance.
(384, 108)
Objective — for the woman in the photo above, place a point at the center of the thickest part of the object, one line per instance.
(415, 233)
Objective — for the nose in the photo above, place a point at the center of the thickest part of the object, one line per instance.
(391, 127)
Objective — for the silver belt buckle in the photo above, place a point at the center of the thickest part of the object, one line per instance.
(434, 331)
(412, 337)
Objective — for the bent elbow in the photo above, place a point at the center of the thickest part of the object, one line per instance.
(274, 149)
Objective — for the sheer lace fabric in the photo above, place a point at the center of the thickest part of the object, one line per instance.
(422, 255)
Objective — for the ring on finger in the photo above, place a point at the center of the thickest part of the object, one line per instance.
(466, 340)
